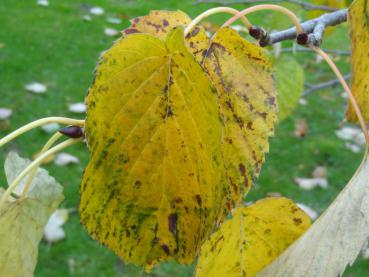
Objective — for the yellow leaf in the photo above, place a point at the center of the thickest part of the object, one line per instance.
(159, 23)
(359, 29)
(247, 99)
(254, 237)
(154, 188)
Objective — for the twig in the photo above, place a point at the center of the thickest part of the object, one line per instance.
(304, 49)
(303, 4)
(312, 88)
(314, 28)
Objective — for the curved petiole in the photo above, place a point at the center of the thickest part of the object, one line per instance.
(46, 147)
(281, 9)
(215, 11)
(38, 123)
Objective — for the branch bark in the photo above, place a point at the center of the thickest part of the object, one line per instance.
(314, 28)
(305, 5)
(312, 88)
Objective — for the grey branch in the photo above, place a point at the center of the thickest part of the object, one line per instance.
(311, 88)
(329, 51)
(314, 28)
(303, 4)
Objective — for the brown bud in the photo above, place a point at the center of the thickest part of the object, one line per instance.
(72, 132)
(256, 32)
(302, 39)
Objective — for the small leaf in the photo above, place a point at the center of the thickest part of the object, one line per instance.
(289, 76)
(254, 237)
(5, 113)
(335, 239)
(53, 231)
(359, 30)
(22, 221)
(36, 88)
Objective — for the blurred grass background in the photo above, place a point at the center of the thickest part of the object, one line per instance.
(55, 46)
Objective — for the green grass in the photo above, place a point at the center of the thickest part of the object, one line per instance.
(55, 46)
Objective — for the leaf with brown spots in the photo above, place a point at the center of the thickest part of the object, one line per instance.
(254, 237)
(155, 186)
(359, 30)
(247, 99)
(159, 23)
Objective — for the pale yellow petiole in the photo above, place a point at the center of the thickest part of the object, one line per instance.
(46, 147)
(281, 9)
(210, 12)
(38, 123)
(39, 160)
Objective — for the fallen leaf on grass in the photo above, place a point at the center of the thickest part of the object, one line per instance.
(111, 32)
(77, 108)
(352, 134)
(353, 147)
(44, 3)
(5, 113)
(50, 128)
(319, 172)
(114, 20)
(36, 88)
(54, 231)
(301, 128)
(310, 183)
(22, 221)
(87, 18)
(63, 159)
(97, 10)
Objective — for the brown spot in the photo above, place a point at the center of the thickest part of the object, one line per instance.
(267, 231)
(172, 223)
(165, 23)
(131, 31)
(242, 168)
(297, 221)
(138, 184)
(165, 248)
(136, 20)
(198, 199)
(195, 31)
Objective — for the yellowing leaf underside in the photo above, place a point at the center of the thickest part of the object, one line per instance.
(155, 186)
(359, 29)
(252, 238)
(242, 76)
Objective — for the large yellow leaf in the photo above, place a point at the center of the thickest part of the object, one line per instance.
(359, 29)
(247, 100)
(159, 23)
(254, 237)
(335, 239)
(154, 188)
